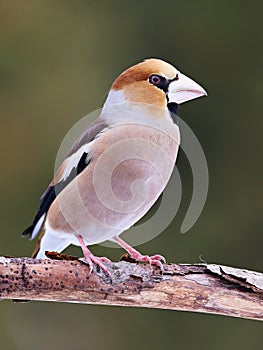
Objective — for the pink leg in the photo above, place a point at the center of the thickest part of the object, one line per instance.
(90, 258)
(152, 260)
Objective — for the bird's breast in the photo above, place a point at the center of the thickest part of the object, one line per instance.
(130, 165)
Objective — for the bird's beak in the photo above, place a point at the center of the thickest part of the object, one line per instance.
(184, 89)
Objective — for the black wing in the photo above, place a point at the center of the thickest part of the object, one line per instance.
(53, 190)
(49, 196)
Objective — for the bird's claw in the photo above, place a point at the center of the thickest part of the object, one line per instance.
(91, 260)
(152, 260)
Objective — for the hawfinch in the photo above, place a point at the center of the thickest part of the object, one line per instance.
(118, 167)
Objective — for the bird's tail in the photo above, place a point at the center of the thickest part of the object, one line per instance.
(36, 253)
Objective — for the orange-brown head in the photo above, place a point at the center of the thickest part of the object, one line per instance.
(155, 82)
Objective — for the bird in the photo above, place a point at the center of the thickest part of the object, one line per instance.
(118, 167)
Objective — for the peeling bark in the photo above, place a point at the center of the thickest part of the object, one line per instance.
(205, 288)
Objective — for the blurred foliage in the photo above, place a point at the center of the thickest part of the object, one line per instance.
(58, 60)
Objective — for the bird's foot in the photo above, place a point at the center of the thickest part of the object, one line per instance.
(152, 260)
(134, 254)
(91, 259)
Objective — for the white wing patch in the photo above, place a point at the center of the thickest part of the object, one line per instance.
(73, 160)
(38, 227)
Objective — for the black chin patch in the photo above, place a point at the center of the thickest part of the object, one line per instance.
(173, 109)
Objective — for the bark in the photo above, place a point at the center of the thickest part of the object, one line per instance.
(205, 288)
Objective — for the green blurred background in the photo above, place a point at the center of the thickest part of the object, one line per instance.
(58, 60)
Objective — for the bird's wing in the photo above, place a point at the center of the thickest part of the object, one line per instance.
(76, 161)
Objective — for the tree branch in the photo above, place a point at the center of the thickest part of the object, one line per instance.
(199, 287)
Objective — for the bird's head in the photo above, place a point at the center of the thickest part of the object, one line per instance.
(154, 82)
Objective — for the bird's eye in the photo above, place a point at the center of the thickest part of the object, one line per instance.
(155, 79)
